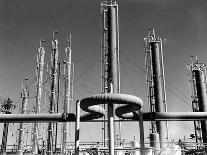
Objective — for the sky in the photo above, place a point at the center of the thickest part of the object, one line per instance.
(180, 23)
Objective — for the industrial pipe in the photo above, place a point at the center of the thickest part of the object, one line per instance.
(77, 128)
(70, 117)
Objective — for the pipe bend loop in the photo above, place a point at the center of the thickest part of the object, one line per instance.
(91, 104)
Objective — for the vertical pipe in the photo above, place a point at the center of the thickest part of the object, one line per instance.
(39, 76)
(159, 107)
(112, 70)
(112, 49)
(57, 105)
(67, 74)
(202, 99)
(77, 128)
(103, 67)
(52, 97)
(24, 95)
(141, 131)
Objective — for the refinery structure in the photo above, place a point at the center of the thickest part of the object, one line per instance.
(109, 108)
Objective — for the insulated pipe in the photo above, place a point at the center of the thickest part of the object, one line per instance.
(202, 99)
(133, 116)
(133, 103)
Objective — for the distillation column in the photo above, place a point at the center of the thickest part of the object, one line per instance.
(67, 95)
(39, 77)
(54, 59)
(111, 67)
(198, 75)
(153, 47)
(24, 96)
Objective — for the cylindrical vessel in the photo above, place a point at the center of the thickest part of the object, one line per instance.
(112, 80)
(202, 99)
(159, 106)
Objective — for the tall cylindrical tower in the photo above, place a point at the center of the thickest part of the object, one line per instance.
(156, 85)
(199, 103)
(67, 97)
(54, 59)
(110, 67)
(39, 78)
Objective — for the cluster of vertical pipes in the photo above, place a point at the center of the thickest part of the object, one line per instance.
(67, 97)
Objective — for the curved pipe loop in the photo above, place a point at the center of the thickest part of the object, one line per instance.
(131, 104)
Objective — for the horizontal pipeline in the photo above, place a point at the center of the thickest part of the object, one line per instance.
(70, 117)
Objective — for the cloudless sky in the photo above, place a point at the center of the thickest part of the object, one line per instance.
(180, 23)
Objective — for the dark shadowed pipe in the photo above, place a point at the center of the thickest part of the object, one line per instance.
(202, 99)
